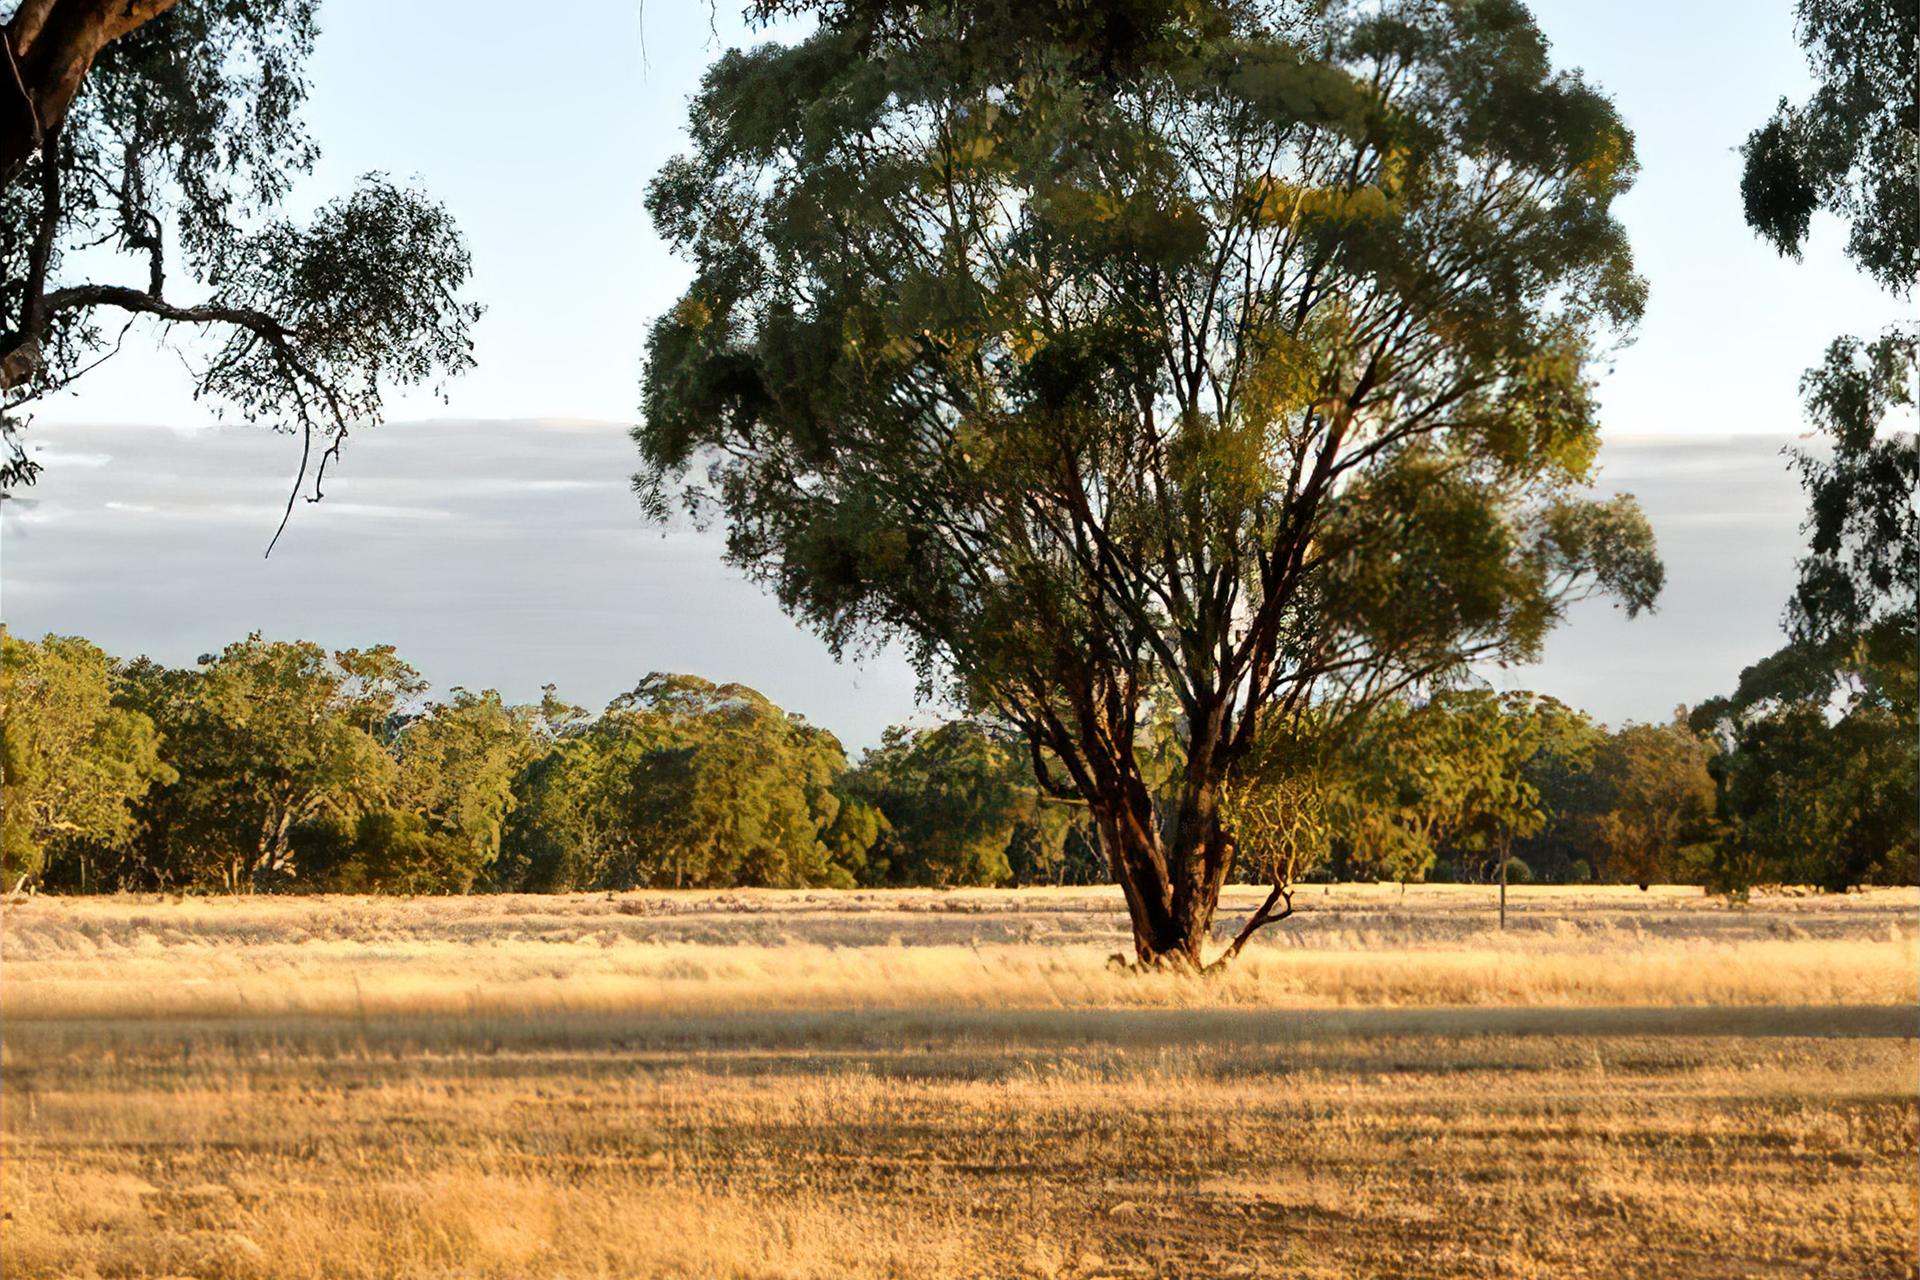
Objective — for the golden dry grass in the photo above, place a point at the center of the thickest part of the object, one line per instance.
(924, 1084)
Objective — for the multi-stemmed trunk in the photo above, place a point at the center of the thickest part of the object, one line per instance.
(1171, 856)
(1170, 853)
(1170, 867)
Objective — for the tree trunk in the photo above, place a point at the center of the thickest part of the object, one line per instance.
(1503, 893)
(1506, 856)
(274, 855)
(50, 47)
(1172, 888)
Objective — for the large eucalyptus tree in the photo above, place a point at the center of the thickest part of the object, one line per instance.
(1191, 359)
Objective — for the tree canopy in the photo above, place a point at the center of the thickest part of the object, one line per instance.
(1226, 358)
(1853, 147)
(684, 782)
(1659, 798)
(1818, 761)
(73, 763)
(960, 804)
(275, 766)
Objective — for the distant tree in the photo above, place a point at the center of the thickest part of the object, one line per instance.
(1487, 741)
(552, 840)
(850, 839)
(1561, 772)
(457, 766)
(1658, 799)
(1818, 784)
(683, 783)
(734, 790)
(954, 797)
(379, 685)
(1233, 356)
(1814, 802)
(171, 134)
(1446, 776)
(72, 762)
(266, 737)
(1055, 846)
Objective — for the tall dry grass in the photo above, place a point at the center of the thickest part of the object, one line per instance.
(918, 1084)
(703, 954)
(1677, 1158)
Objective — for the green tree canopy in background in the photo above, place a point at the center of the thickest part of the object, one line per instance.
(1231, 357)
(72, 761)
(1453, 774)
(956, 799)
(684, 782)
(1560, 772)
(276, 766)
(1659, 800)
(171, 134)
(453, 793)
(266, 736)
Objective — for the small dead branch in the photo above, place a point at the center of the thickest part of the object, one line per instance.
(1266, 915)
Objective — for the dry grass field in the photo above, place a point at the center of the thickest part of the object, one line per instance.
(915, 1084)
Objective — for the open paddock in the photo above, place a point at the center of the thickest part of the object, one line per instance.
(764, 1084)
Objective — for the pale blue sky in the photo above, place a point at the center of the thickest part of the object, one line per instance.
(540, 137)
(507, 553)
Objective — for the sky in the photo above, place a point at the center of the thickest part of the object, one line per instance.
(492, 537)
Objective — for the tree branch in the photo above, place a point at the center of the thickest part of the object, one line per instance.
(1266, 915)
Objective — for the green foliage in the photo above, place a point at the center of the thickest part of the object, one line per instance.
(954, 798)
(73, 762)
(1454, 776)
(1485, 743)
(1852, 147)
(1561, 773)
(457, 766)
(1659, 798)
(1818, 748)
(266, 736)
(683, 783)
(1860, 579)
(856, 829)
(275, 766)
(1055, 847)
(1815, 787)
(180, 151)
(1187, 352)
(1827, 804)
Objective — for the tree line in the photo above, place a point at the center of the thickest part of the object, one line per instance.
(280, 766)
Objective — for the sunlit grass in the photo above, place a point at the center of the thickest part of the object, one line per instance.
(922, 1084)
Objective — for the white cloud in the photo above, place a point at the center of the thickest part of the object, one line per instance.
(70, 458)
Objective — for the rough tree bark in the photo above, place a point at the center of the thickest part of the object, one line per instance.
(50, 46)
(1170, 871)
